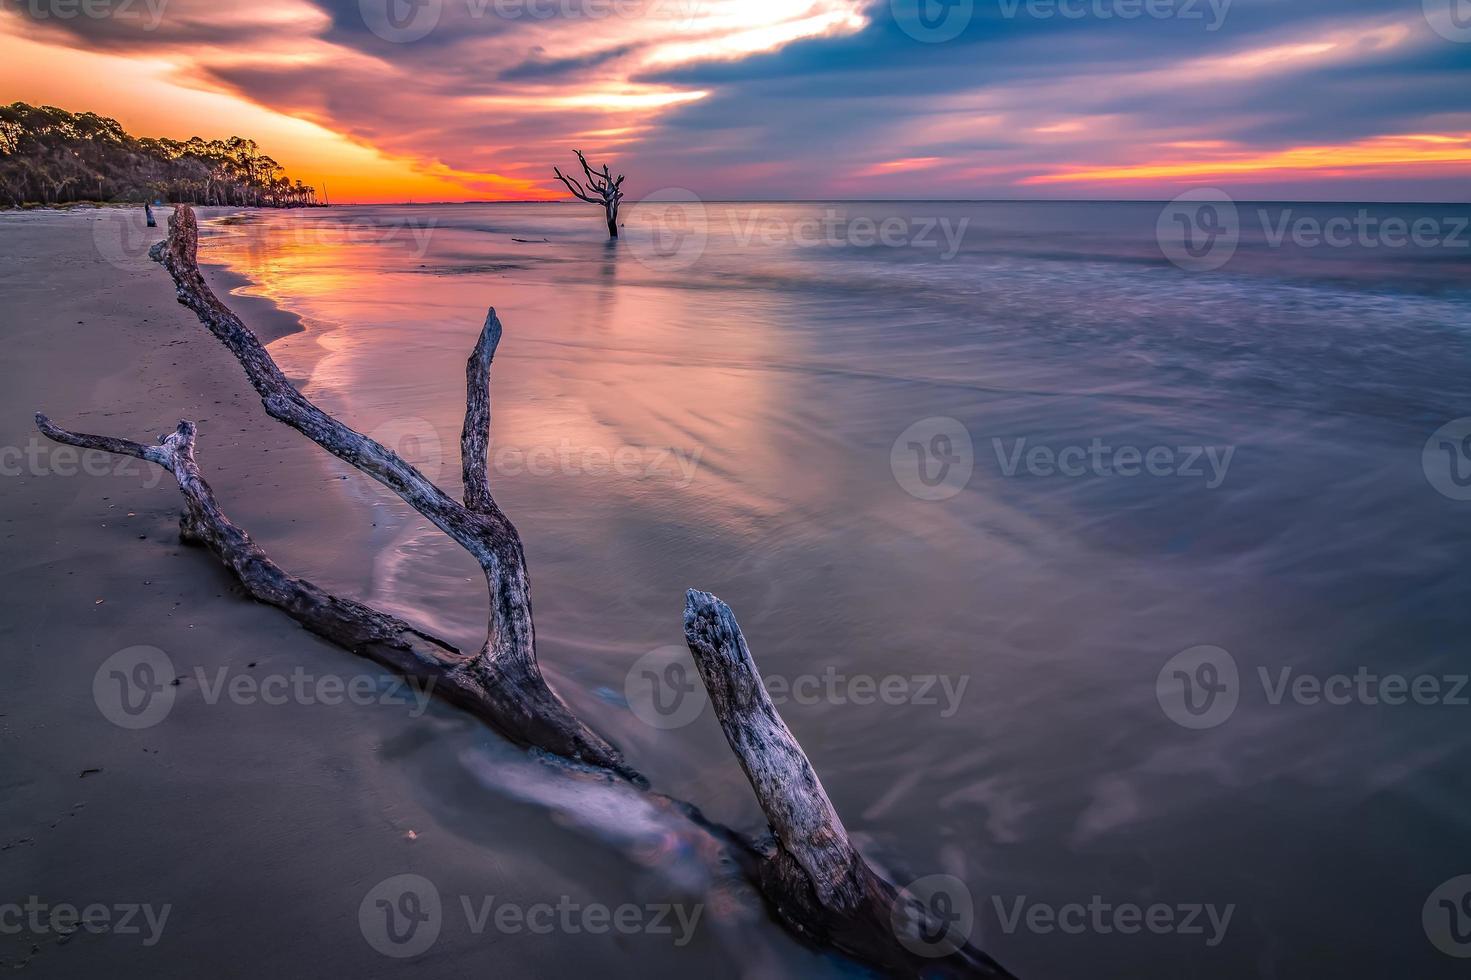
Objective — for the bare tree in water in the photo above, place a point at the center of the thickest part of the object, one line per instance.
(601, 188)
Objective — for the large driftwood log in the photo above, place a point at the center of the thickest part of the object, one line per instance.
(810, 875)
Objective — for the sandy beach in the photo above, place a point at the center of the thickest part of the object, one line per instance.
(768, 402)
(93, 566)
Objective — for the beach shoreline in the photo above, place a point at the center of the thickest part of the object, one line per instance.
(93, 566)
(229, 810)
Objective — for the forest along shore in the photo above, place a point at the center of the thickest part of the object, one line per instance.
(49, 156)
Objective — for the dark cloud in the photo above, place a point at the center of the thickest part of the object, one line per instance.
(139, 26)
(542, 68)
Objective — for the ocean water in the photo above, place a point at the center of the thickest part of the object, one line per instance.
(1136, 548)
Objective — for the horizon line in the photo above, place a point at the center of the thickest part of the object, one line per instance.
(913, 200)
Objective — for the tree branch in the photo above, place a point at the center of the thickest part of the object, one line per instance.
(505, 672)
(179, 255)
(475, 437)
(154, 454)
(359, 628)
(813, 878)
(790, 794)
(575, 188)
(592, 175)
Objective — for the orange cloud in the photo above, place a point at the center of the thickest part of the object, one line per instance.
(906, 165)
(146, 97)
(1420, 151)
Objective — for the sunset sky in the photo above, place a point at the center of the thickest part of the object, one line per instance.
(390, 100)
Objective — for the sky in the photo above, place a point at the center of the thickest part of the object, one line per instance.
(448, 100)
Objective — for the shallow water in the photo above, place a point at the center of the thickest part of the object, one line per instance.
(756, 399)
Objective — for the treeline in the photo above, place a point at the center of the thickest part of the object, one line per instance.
(51, 156)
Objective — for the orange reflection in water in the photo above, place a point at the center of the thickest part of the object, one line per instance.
(612, 384)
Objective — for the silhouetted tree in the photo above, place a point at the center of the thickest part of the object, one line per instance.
(51, 156)
(601, 189)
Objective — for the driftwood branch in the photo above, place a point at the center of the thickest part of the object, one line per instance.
(475, 437)
(813, 877)
(802, 818)
(352, 625)
(504, 678)
(810, 875)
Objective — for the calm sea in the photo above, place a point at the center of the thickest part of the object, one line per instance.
(1109, 556)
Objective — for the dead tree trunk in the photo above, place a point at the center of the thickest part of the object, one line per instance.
(810, 875)
(600, 188)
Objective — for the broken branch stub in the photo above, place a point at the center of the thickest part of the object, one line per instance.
(475, 437)
(790, 794)
(812, 876)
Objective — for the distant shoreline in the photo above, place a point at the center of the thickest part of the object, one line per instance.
(85, 205)
(902, 200)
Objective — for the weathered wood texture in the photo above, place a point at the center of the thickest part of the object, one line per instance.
(810, 875)
(813, 877)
